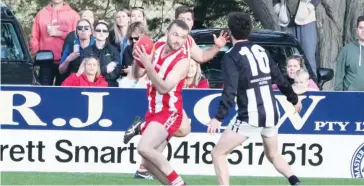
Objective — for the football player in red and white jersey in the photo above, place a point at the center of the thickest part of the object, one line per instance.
(167, 68)
(185, 14)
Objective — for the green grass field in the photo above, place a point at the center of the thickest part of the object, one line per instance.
(35, 178)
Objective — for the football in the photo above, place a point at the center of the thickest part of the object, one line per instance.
(148, 44)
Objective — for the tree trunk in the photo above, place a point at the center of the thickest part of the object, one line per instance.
(336, 23)
(263, 12)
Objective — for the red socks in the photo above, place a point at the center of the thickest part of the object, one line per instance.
(175, 179)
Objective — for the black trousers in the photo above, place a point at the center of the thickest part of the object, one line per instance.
(49, 74)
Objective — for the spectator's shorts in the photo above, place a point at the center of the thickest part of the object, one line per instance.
(170, 120)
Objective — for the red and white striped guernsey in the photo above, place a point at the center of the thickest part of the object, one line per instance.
(171, 101)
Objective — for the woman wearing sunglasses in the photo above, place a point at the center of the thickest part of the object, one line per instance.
(70, 61)
(107, 54)
(135, 30)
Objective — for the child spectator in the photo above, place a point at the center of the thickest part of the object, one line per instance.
(71, 61)
(107, 54)
(195, 78)
(302, 82)
(294, 64)
(88, 75)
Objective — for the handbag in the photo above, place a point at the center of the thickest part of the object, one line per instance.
(305, 13)
(284, 15)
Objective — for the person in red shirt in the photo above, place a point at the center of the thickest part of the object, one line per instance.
(195, 78)
(88, 75)
(50, 28)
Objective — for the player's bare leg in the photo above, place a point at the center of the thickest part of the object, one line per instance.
(228, 141)
(138, 123)
(154, 170)
(276, 158)
(185, 127)
(134, 130)
(152, 136)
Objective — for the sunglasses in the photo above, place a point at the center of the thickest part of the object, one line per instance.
(101, 30)
(83, 28)
(133, 38)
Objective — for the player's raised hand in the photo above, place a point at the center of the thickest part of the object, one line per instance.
(222, 39)
(141, 55)
(214, 126)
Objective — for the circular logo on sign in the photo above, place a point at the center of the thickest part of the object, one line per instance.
(357, 163)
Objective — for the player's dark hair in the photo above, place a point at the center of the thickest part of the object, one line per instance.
(181, 10)
(360, 19)
(240, 25)
(179, 23)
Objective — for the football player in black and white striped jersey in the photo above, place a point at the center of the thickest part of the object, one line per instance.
(248, 73)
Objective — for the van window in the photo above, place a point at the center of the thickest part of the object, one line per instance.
(11, 49)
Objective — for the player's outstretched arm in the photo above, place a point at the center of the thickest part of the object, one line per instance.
(179, 71)
(201, 56)
(231, 79)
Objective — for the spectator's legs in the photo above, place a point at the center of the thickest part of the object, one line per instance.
(309, 40)
(46, 75)
(60, 77)
(290, 30)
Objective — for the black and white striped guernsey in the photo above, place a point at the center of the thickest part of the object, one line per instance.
(249, 72)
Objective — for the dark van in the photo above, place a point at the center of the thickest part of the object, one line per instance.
(280, 45)
(16, 61)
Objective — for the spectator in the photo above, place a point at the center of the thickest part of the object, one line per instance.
(117, 35)
(298, 17)
(50, 28)
(294, 64)
(129, 81)
(107, 54)
(70, 61)
(137, 14)
(135, 31)
(301, 82)
(142, 82)
(88, 75)
(349, 74)
(72, 36)
(195, 78)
